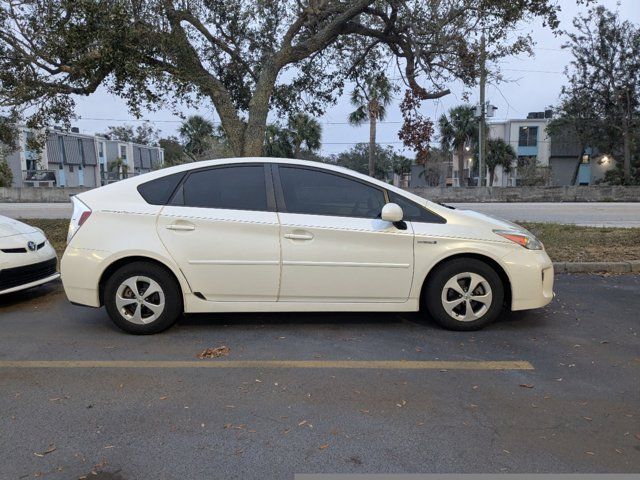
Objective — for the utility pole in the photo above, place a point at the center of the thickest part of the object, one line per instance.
(481, 133)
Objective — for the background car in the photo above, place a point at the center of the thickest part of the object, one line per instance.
(264, 234)
(27, 259)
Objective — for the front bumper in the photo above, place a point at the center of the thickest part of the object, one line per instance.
(531, 276)
(35, 283)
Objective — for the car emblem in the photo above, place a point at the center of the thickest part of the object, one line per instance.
(32, 246)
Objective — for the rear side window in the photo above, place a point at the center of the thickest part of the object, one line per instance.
(159, 191)
(237, 188)
(319, 193)
(414, 212)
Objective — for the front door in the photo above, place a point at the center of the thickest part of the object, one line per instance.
(223, 232)
(335, 249)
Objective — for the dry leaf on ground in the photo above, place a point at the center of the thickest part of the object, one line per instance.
(221, 351)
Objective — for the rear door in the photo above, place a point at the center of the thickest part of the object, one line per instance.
(335, 248)
(222, 230)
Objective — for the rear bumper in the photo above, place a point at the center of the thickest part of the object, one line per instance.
(531, 275)
(81, 271)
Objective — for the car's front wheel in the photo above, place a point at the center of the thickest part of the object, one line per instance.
(464, 294)
(143, 298)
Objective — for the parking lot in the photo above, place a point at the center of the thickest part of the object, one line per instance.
(322, 393)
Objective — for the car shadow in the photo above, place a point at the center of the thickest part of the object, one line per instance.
(38, 294)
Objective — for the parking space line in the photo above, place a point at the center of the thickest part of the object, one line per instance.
(274, 364)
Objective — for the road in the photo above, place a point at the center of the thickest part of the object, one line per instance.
(587, 214)
(567, 402)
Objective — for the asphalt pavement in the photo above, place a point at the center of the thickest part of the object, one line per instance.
(566, 401)
(585, 214)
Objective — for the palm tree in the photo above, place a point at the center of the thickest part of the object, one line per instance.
(458, 132)
(304, 130)
(277, 142)
(196, 132)
(499, 153)
(371, 99)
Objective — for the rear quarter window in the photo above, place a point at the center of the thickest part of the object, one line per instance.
(159, 191)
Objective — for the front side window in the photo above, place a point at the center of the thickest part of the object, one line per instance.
(414, 212)
(318, 193)
(236, 188)
(528, 137)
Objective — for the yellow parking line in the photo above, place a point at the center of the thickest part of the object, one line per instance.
(338, 364)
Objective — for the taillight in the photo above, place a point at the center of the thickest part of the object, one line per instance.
(80, 215)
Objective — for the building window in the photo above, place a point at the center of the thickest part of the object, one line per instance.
(528, 137)
(101, 149)
(123, 152)
(586, 158)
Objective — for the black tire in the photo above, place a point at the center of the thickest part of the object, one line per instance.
(434, 293)
(170, 291)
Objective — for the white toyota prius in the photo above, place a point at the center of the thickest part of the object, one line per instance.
(265, 234)
(27, 259)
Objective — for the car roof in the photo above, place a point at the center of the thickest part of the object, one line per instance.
(139, 179)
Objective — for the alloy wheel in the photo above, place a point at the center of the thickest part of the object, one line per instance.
(140, 300)
(466, 296)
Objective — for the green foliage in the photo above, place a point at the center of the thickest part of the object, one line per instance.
(602, 101)
(6, 175)
(459, 133)
(277, 142)
(371, 97)
(173, 151)
(388, 160)
(304, 130)
(144, 134)
(243, 57)
(499, 153)
(196, 134)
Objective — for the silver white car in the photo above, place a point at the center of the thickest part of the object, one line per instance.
(27, 259)
(264, 234)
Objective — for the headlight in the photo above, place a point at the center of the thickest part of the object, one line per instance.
(523, 239)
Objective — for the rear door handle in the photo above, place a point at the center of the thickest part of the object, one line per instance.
(299, 236)
(183, 227)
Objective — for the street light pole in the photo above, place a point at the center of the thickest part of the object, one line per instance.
(481, 133)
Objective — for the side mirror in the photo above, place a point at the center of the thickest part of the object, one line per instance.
(392, 212)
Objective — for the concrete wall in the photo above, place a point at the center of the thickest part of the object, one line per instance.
(38, 195)
(531, 194)
(436, 194)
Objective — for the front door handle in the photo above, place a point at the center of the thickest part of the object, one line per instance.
(298, 236)
(182, 227)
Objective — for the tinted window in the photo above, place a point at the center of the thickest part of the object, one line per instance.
(414, 212)
(318, 193)
(237, 188)
(158, 191)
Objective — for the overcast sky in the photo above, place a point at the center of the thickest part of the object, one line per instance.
(534, 83)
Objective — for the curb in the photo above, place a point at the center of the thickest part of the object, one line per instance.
(632, 266)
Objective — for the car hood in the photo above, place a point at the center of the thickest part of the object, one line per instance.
(10, 227)
(495, 223)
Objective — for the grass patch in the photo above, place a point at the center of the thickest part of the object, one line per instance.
(564, 243)
(571, 243)
(55, 230)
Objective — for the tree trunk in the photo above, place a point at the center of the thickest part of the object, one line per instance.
(461, 166)
(574, 178)
(296, 149)
(492, 172)
(372, 145)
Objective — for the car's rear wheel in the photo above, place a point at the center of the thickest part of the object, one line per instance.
(143, 298)
(464, 294)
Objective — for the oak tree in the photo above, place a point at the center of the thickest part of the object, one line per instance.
(244, 58)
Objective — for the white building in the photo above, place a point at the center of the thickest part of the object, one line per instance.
(72, 159)
(529, 139)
